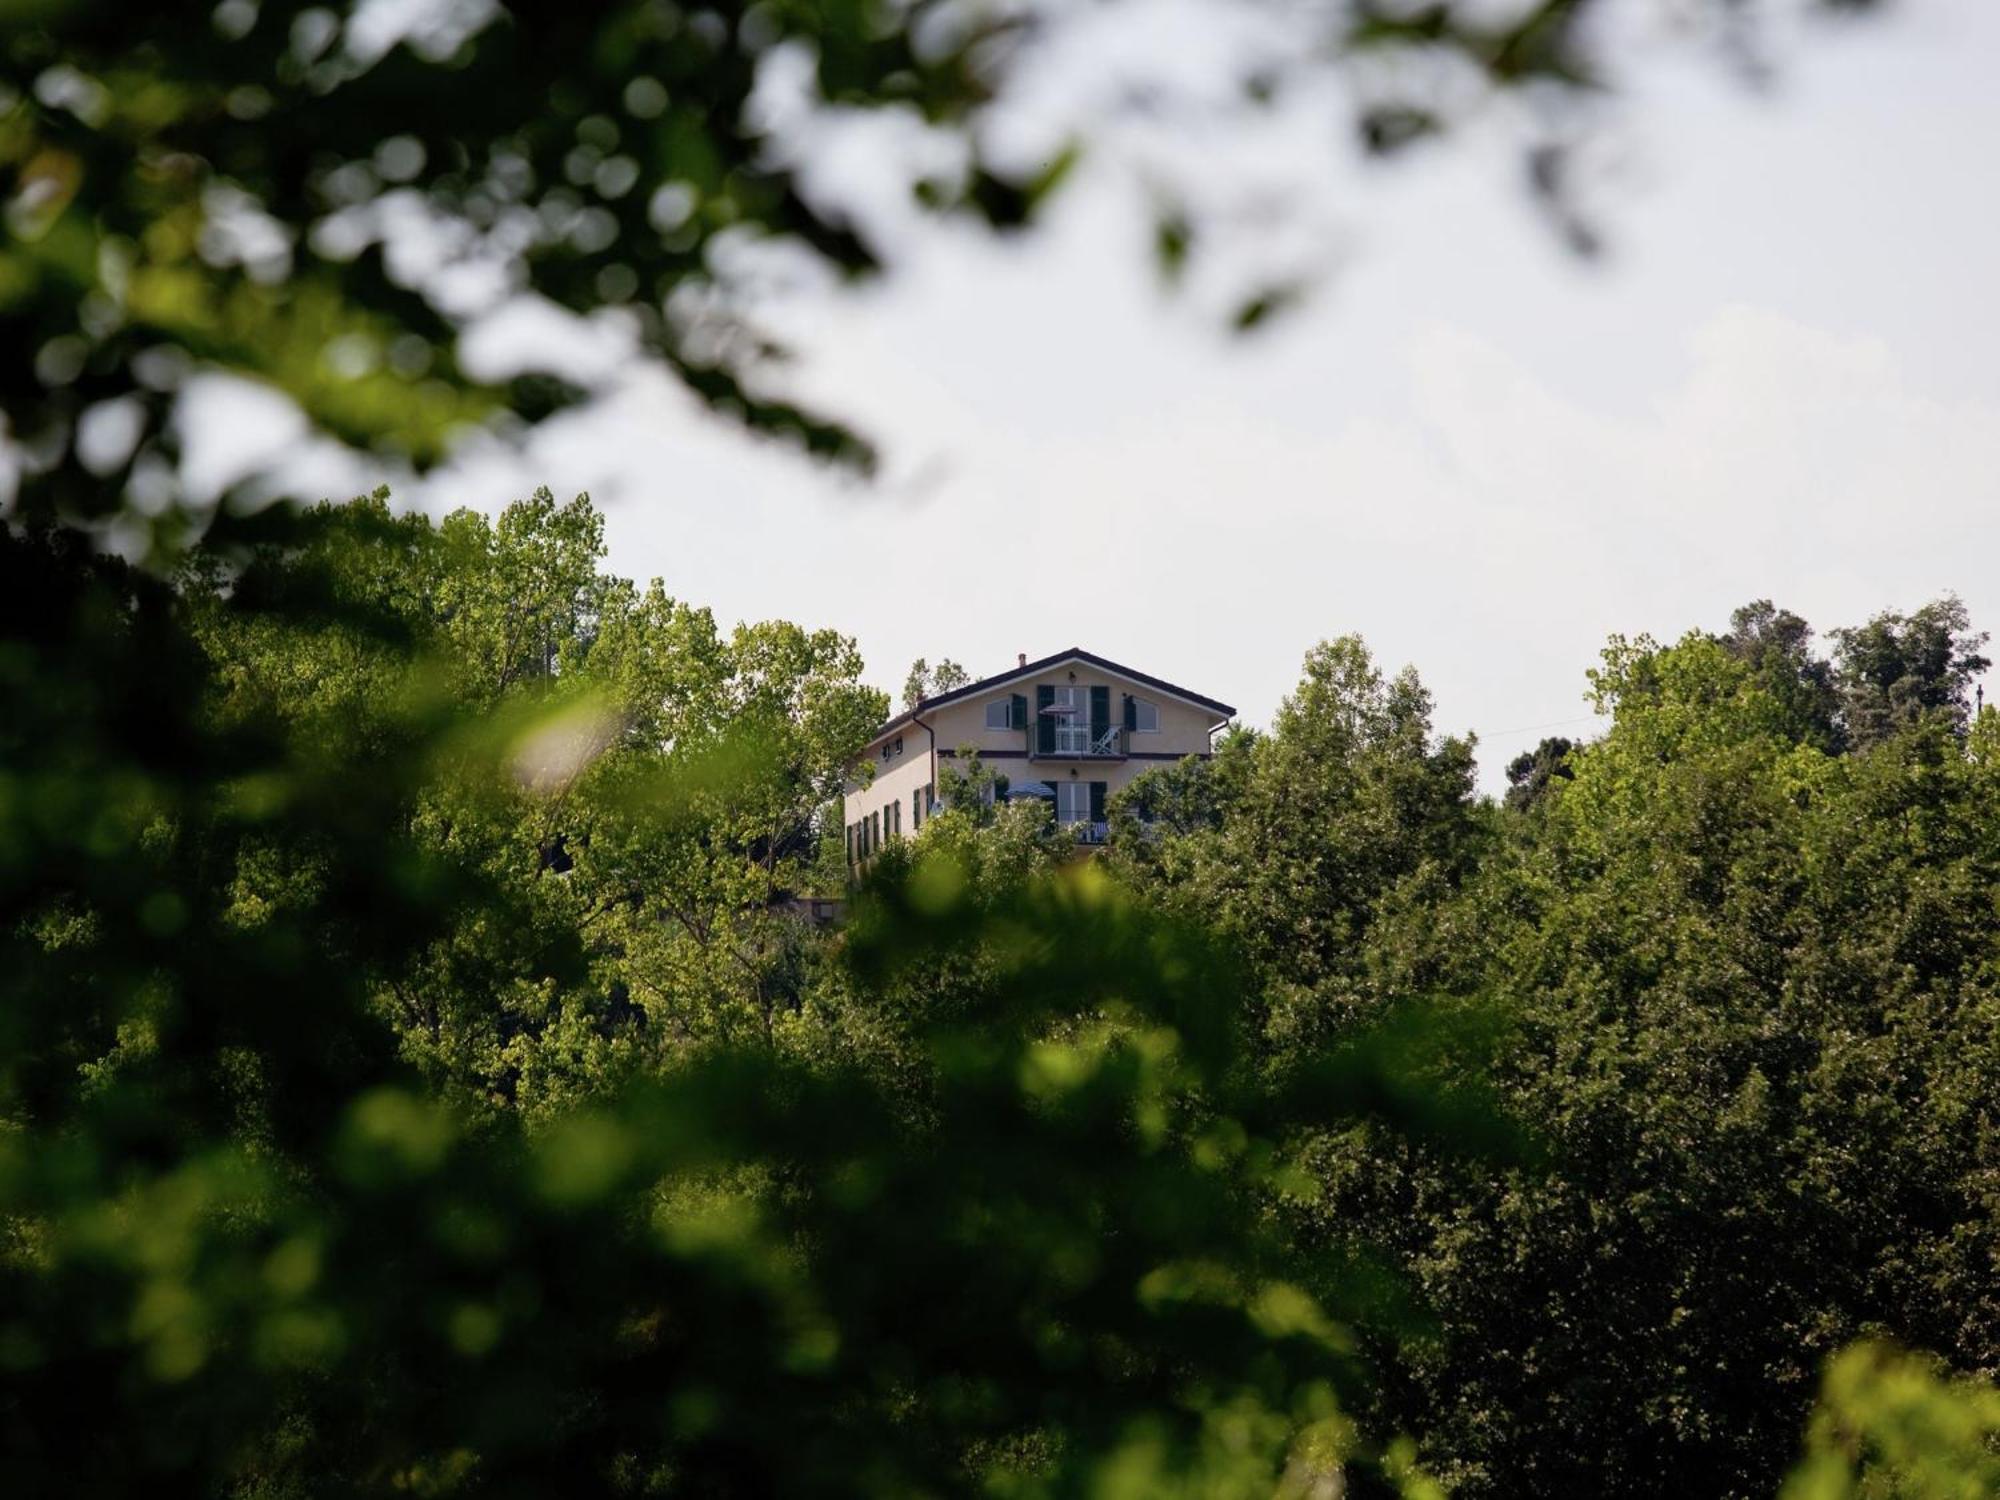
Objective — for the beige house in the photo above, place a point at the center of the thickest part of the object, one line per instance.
(1071, 729)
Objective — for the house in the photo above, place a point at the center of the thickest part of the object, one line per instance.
(1071, 728)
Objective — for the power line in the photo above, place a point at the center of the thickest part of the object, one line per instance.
(1531, 728)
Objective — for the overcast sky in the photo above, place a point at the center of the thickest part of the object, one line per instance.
(1479, 453)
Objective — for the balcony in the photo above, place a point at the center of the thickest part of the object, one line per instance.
(1090, 833)
(1077, 741)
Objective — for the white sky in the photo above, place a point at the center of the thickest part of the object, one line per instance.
(1479, 453)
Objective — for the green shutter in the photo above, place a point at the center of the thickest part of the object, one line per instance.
(1097, 801)
(1017, 710)
(1045, 724)
(1100, 711)
(1131, 713)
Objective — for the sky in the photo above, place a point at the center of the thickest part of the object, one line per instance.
(1476, 450)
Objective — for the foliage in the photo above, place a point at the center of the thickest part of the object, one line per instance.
(272, 1256)
(1742, 974)
(1293, 841)
(966, 785)
(1531, 774)
(410, 1078)
(1777, 646)
(1746, 987)
(926, 681)
(667, 778)
(326, 199)
(1898, 668)
(1890, 1424)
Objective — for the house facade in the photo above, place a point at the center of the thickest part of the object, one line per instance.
(1070, 729)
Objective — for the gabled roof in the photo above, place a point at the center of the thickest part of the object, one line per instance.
(1075, 653)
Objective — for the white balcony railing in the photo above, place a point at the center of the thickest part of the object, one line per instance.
(1084, 741)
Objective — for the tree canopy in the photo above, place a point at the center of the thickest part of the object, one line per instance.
(1737, 982)
(416, 1077)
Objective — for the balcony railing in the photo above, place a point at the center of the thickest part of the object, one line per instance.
(1091, 833)
(1084, 742)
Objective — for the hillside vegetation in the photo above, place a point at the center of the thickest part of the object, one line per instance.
(415, 1078)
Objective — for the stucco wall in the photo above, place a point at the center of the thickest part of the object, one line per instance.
(894, 780)
(1184, 728)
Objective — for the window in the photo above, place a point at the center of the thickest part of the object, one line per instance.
(1072, 802)
(1000, 714)
(850, 843)
(1072, 728)
(917, 809)
(1145, 717)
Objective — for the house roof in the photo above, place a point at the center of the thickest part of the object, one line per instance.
(1075, 653)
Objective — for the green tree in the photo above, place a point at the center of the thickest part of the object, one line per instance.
(243, 1235)
(1294, 840)
(926, 681)
(1777, 644)
(1532, 774)
(1740, 977)
(1897, 668)
(1889, 1423)
(667, 783)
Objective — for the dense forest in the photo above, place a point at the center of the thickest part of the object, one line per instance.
(416, 1075)
(419, 1075)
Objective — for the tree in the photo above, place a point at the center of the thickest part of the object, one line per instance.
(1889, 1422)
(667, 787)
(1736, 976)
(325, 199)
(970, 787)
(1532, 774)
(245, 1235)
(1294, 840)
(341, 1148)
(1897, 668)
(1777, 645)
(926, 681)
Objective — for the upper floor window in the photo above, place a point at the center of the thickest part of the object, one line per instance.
(1000, 714)
(1073, 727)
(1145, 717)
